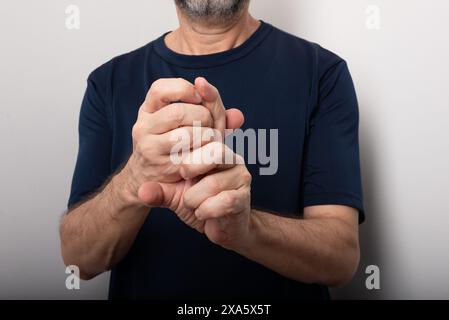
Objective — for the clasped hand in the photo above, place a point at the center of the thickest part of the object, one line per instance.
(214, 196)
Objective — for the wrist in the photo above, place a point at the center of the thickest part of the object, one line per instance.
(126, 188)
(249, 241)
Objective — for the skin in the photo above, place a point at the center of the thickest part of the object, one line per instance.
(321, 247)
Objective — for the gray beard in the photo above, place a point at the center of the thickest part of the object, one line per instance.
(212, 12)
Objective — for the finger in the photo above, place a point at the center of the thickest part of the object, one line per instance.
(230, 202)
(177, 115)
(166, 91)
(185, 138)
(234, 119)
(211, 100)
(213, 184)
(214, 155)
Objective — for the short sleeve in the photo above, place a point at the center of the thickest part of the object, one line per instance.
(93, 166)
(332, 162)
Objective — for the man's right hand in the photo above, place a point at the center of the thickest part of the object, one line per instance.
(149, 179)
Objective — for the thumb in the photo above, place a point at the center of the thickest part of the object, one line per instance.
(152, 194)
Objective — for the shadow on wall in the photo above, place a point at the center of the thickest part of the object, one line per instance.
(370, 230)
(279, 13)
(285, 17)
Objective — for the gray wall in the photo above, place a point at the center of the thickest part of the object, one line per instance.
(400, 71)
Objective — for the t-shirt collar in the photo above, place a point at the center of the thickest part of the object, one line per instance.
(215, 59)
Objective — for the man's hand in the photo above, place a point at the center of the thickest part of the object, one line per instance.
(152, 176)
(223, 201)
(217, 204)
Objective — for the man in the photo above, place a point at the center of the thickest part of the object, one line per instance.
(212, 230)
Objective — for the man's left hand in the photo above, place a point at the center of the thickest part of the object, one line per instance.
(223, 201)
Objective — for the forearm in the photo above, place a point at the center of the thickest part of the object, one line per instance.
(310, 251)
(98, 233)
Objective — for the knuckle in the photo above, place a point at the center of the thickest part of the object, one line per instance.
(245, 194)
(248, 194)
(145, 148)
(246, 177)
(136, 132)
(180, 81)
(156, 87)
(228, 200)
(176, 113)
(157, 84)
(140, 150)
(144, 104)
(188, 201)
(214, 184)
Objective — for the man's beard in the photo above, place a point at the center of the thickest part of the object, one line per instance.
(212, 12)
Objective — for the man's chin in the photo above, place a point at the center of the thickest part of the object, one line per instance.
(212, 12)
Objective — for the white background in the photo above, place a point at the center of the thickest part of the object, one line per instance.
(400, 71)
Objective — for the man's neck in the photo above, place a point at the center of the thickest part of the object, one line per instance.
(200, 39)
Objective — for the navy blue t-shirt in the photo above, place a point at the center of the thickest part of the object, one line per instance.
(279, 82)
